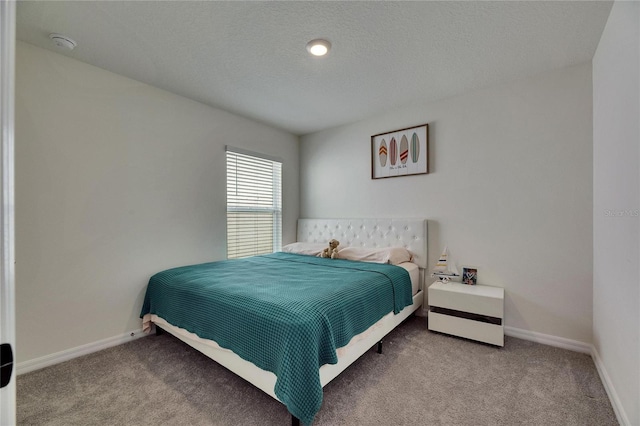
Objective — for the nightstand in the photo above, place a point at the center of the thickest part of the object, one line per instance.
(472, 311)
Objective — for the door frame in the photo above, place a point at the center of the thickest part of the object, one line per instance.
(7, 224)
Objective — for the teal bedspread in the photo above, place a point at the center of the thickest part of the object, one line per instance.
(285, 313)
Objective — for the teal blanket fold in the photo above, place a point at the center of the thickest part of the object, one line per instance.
(285, 313)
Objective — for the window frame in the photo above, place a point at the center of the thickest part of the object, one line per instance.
(276, 192)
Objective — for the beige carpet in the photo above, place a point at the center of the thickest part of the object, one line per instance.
(422, 378)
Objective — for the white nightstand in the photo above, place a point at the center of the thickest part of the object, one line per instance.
(472, 311)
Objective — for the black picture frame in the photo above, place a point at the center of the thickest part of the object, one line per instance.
(401, 152)
(469, 276)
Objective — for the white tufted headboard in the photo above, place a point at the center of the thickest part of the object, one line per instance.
(408, 233)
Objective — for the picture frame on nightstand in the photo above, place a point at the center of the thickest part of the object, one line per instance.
(469, 275)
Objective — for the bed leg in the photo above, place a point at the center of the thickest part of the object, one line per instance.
(159, 331)
(295, 421)
(380, 347)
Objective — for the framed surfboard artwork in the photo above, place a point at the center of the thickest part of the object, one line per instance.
(400, 152)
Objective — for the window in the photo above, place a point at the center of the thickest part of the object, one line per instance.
(254, 204)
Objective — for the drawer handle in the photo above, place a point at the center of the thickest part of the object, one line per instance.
(466, 315)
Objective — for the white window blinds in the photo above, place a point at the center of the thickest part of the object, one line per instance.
(254, 204)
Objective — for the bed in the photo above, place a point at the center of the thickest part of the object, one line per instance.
(290, 323)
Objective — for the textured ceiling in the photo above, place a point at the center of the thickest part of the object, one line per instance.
(250, 57)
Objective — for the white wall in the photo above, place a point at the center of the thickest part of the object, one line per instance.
(115, 180)
(616, 203)
(510, 190)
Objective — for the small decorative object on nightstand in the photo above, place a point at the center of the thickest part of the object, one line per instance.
(445, 270)
(469, 275)
(474, 312)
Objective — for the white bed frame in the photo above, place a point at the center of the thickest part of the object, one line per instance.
(409, 233)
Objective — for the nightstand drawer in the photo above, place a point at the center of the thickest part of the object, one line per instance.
(470, 329)
(472, 311)
(477, 299)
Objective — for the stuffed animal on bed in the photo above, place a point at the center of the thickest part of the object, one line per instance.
(332, 250)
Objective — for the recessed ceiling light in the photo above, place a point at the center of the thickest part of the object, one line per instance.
(318, 47)
(63, 41)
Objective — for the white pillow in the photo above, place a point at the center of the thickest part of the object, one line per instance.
(392, 255)
(311, 249)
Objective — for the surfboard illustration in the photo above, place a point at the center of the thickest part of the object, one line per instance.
(404, 149)
(382, 153)
(393, 151)
(415, 148)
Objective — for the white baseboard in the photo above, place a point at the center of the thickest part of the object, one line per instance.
(574, 345)
(547, 339)
(621, 414)
(66, 355)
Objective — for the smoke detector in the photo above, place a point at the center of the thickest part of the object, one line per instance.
(63, 41)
